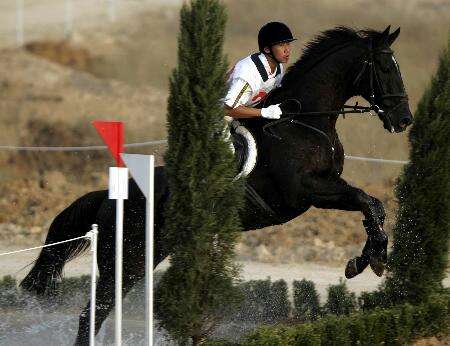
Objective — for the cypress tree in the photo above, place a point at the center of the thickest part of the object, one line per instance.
(202, 220)
(419, 258)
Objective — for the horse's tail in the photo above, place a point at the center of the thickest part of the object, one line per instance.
(72, 222)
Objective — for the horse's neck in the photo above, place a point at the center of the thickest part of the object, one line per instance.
(324, 88)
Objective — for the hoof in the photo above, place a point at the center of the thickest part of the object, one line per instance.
(377, 266)
(351, 270)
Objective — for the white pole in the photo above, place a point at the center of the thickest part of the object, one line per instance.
(119, 258)
(149, 243)
(93, 237)
(112, 10)
(118, 190)
(19, 23)
(68, 18)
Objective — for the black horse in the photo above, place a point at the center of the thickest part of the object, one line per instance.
(299, 165)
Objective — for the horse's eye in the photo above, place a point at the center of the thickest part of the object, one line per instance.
(384, 66)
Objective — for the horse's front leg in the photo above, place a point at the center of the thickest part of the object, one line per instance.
(338, 194)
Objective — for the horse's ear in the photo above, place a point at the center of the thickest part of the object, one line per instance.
(392, 37)
(385, 33)
(384, 37)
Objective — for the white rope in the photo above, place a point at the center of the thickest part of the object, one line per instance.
(370, 159)
(88, 236)
(86, 148)
(162, 141)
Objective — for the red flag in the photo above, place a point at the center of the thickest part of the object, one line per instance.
(112, 134)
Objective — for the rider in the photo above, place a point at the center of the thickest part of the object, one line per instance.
(253, 77)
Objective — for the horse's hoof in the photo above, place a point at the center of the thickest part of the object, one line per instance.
(351, 270)
(377, 266)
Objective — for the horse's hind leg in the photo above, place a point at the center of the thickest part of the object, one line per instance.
(104, 304)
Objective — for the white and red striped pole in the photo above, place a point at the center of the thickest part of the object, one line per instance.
(112, 134)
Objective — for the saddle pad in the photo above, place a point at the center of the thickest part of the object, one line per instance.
(245, 151)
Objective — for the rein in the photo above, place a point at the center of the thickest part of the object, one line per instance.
(347, 109)
(355, 109)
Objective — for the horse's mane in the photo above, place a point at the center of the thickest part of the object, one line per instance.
(324, 42)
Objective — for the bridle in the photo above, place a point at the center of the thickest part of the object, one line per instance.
(367, 64)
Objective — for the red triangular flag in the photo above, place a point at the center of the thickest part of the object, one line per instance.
(112, 134)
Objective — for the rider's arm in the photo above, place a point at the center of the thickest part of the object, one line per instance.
(239, 93)
(242, 112)
(237, 97)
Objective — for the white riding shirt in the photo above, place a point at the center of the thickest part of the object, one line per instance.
(250, 80)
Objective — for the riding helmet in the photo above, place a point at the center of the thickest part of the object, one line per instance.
(273, 33)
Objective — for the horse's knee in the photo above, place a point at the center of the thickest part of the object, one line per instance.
(381, 214)
(371, 207)
(365, 202)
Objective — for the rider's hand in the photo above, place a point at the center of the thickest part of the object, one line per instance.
(271, 112)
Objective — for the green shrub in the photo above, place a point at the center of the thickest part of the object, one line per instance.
(280, 305)
(256, 293)
(7, 283)
(267, 336)
(220, 343)
(333, 331)
(306, 301)
(305, 335)
(264, 301)
(371, 300)
(340, 301)
(357, 330)
(8, 292)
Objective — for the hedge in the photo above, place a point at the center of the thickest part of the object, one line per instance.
(394, 326)
(368, 326)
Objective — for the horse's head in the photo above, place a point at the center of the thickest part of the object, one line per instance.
(383, 85)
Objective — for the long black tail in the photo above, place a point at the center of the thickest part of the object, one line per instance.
(72, 222)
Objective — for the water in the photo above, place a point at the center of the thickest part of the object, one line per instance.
(59, 329)
(27, 322)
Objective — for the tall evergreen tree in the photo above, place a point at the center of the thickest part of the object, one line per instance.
(419, 259)
(202, 220)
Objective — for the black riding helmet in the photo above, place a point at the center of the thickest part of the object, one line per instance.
(273, 33)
